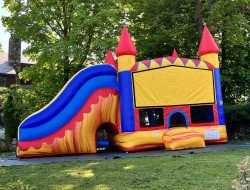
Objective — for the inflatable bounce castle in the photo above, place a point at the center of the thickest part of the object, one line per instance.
(141, 105)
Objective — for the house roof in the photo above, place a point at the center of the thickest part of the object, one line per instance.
(6, 68)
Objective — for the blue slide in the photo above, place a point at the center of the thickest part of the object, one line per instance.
(68, 102)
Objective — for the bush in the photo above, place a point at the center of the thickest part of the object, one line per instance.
(11, 118)
(238, 121)
(18, 104)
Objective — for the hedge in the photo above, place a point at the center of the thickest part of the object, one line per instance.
(238, 122)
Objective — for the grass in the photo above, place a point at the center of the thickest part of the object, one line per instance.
(6, 154)
(195, 171)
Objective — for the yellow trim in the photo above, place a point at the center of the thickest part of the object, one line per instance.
(178, 62)
(211, 58)
(125, 62)
(154, 64)
(202, 65)
(165, 62)
(141, 66)
(190, 63)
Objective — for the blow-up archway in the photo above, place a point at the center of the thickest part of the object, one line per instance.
(104, 135)
(177, 118)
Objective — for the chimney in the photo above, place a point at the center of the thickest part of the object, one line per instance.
(15, 53)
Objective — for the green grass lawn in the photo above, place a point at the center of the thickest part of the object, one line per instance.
(5, 154)
(195, 171)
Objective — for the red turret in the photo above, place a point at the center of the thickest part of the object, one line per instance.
(110, 60)
(207, 45)
(125, 45)
(175, 54)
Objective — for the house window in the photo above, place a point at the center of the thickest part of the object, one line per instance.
(151, 117)
(202, 114)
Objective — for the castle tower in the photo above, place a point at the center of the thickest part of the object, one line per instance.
(175, 54)
(209, 51)
(110, 60)
(126, 54)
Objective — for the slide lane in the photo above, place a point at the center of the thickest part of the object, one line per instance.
(67, 94)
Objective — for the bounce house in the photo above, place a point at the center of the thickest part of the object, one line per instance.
(140, 105)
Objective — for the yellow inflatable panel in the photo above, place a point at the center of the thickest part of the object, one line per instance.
(187, 86)
(184, 140)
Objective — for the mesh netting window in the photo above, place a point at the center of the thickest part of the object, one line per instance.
(151, 117)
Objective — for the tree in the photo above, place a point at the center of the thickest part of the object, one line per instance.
(64, 37)
(161, 26)
(229, 21)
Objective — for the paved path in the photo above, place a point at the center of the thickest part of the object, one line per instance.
(13, 161)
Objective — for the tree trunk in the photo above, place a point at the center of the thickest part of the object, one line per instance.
(15, 55)
(198, 11)
(67, 70)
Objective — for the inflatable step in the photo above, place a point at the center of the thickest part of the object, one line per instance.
(183, 140)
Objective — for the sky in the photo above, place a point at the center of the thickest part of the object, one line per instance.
(4, 35)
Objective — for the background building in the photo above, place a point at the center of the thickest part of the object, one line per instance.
(12, 63)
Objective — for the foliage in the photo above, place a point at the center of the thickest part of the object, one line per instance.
(16, 107)
(161, 26)
(22, 101)
(1, 48)
(63, 36)
(237, 121)
(3, 91)
(10, 115)
(230, 24)
(213, 171)
(7, 154)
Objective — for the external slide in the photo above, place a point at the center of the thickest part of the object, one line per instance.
(68, 124)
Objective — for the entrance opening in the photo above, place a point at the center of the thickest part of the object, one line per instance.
(104, 135)
(177, 120)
